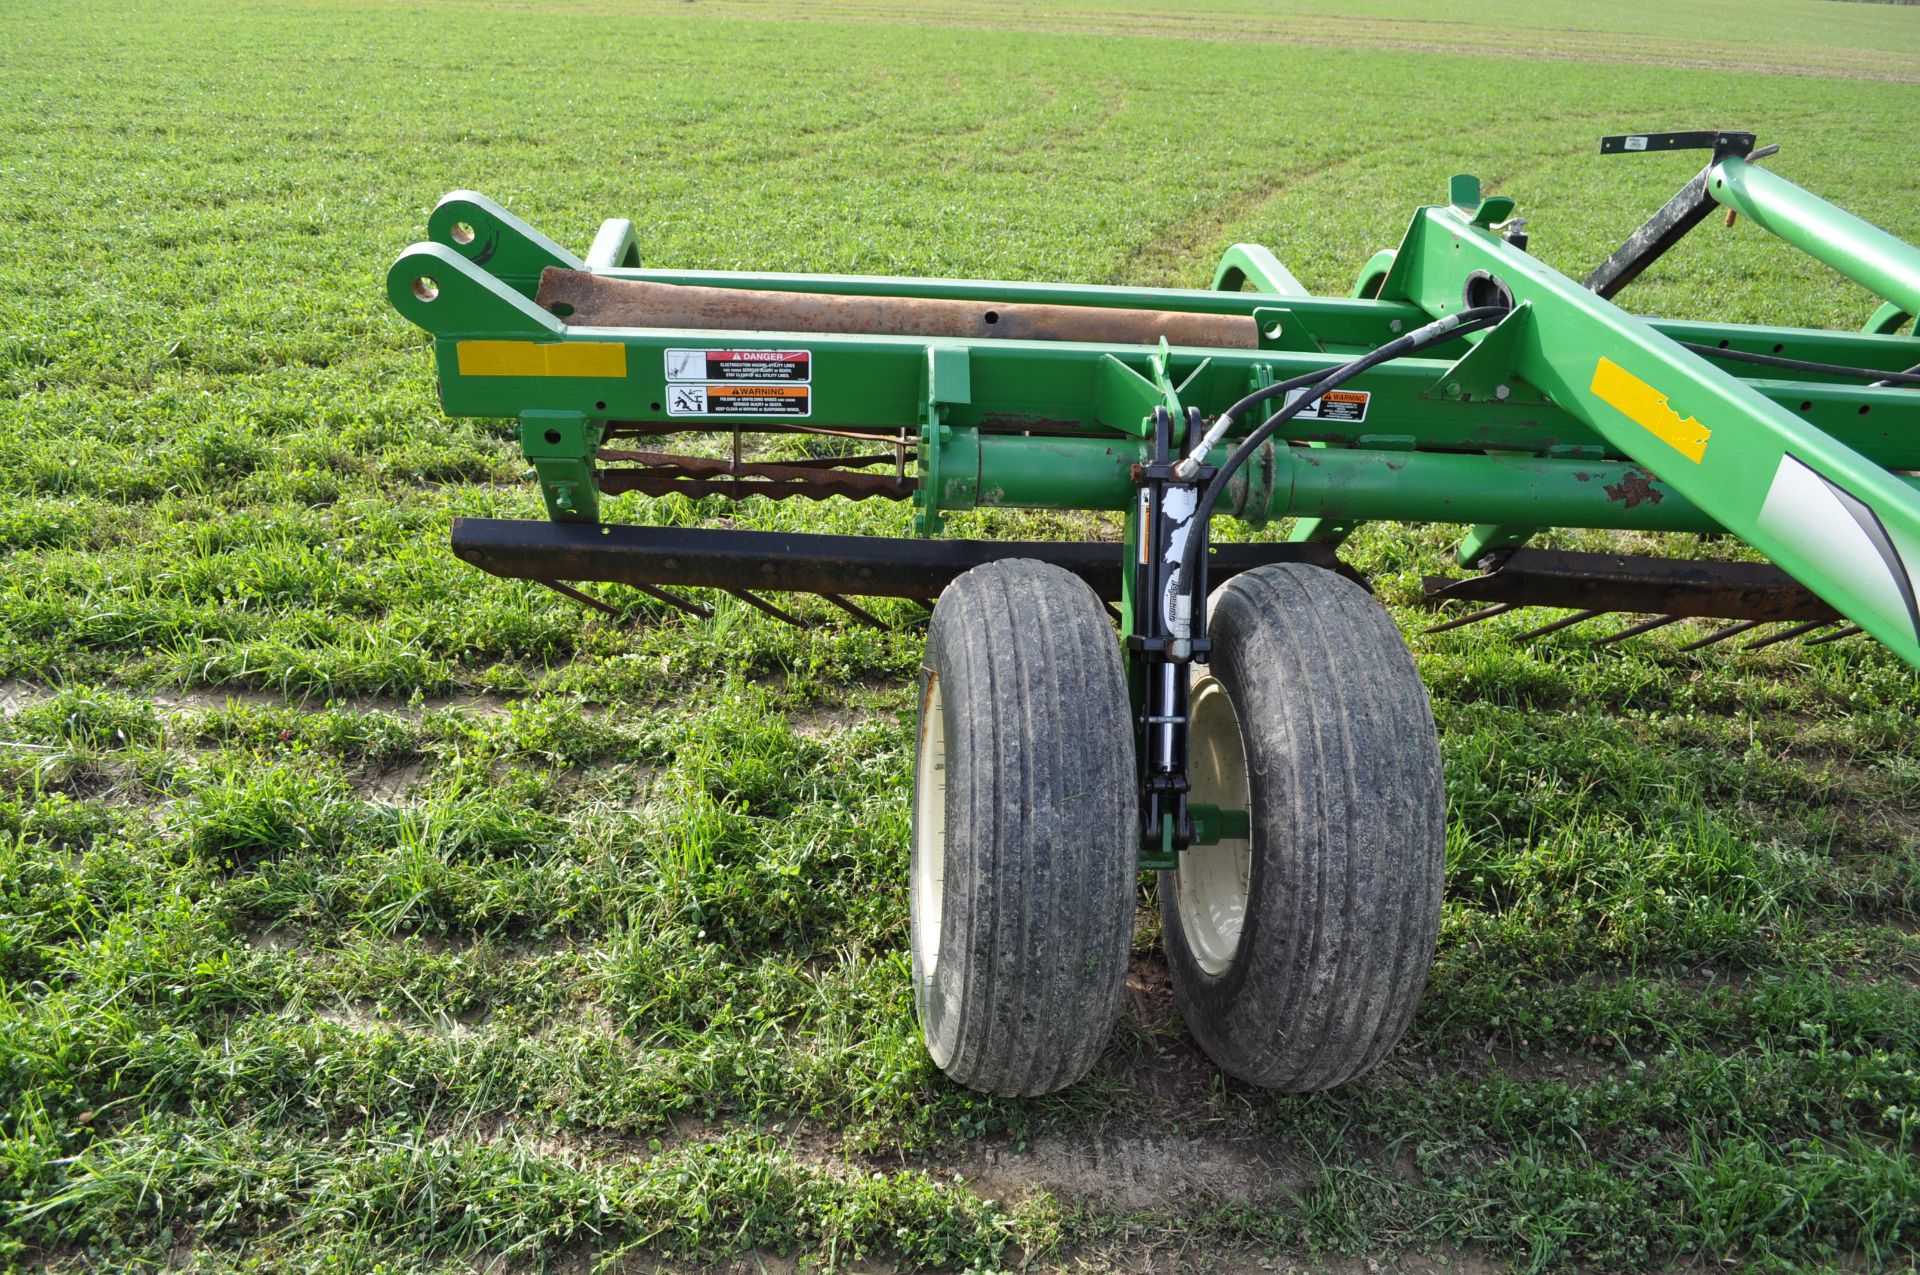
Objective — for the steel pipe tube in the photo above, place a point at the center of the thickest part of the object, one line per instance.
(1856, 248)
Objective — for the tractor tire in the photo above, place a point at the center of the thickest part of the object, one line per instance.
(1025, 855)
(1299, 954)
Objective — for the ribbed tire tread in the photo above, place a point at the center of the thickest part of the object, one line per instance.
(1041, 854)
(1349, 835)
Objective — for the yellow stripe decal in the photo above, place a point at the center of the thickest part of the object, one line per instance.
(1647, 408)
(529, 358)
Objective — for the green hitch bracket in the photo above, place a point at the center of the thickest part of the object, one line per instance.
(561, 446)
(1887, 320)
(1321, 531)
(1463, 192)
(1485, 372)
(448, 295)
(1281, 329)
(615, 247)
(942, 487)
(1485, 537)
(1252, 263)
(496, 241)
(1366, 286)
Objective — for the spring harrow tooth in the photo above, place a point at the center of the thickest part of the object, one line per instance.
(1721, 635)
(859, 613)
(1564, 622)
(1841, 635)
(1635, 630)
(584, 599)
(1473, 617)
(1787, 634)
(673, 600)
(761, 604)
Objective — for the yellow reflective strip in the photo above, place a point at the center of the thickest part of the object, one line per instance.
(1647, 408)
(530, 358)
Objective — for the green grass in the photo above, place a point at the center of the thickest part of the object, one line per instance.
(360, 910)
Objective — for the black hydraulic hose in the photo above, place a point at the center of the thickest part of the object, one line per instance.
(1453, 325)
(1909, 377)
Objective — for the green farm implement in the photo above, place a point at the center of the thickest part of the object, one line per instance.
(1256, 730)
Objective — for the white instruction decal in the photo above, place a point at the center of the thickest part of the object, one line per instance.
(739, 400)
(735, 366)
(1349, 406)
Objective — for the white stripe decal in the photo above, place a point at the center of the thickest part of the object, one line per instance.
(1842, 538)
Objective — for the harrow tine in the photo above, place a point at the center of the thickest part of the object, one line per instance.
(691, 608)
(1565, 621)
(1852, 630)
(859, 613)
(1635, 630)
(761, 604)
(567, 590)
(1793, 632)
(1473, 617)
(1732, 630)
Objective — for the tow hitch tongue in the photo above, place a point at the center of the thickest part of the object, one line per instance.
(1461, 382)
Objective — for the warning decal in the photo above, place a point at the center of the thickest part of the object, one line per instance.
(759, 366)
(738, 400)
(1349, 406)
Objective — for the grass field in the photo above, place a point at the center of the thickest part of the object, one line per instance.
(360, 911)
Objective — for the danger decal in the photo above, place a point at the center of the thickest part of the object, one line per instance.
(738, 366)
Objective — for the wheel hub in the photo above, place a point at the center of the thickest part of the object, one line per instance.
(1212, 882)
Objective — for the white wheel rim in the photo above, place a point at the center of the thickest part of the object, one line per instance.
(929, 829)
(1211, 882)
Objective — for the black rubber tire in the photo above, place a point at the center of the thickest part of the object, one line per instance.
(1040, 856)
(1348, 836)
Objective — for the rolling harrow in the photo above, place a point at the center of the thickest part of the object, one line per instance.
(1257, 732)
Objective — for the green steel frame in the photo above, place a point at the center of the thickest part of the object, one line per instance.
(1571, 412)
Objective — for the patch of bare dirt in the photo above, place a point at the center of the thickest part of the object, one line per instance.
(1174, 1256)
(391, 785)
(1129, 1171)
(1575, 1070)
(1166, 1062)
(214, 699)
(1184, 1256)
(824, 722)
(16, 695)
